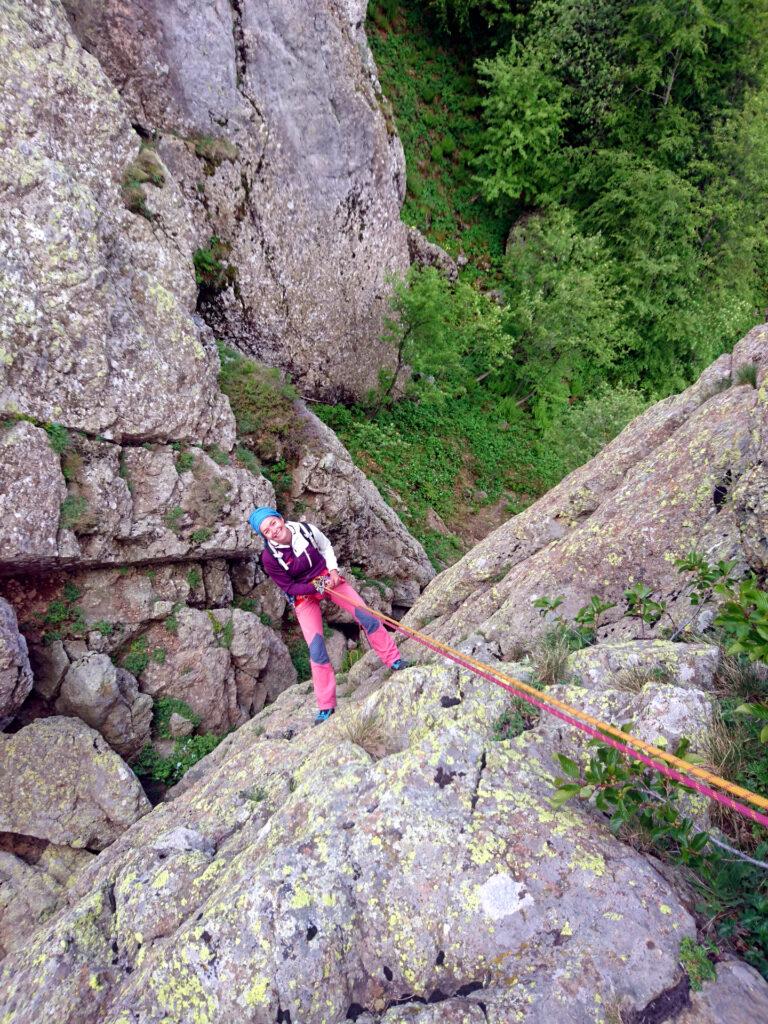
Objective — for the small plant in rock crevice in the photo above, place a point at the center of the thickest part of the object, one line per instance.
(145, 169)
(213, 272)
(696, 962)
(164, 708)
(74, 513)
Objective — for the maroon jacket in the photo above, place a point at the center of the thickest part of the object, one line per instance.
(300, 570)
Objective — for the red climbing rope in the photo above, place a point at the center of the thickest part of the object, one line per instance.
(656, 758)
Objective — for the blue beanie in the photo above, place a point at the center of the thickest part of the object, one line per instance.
(257, 517)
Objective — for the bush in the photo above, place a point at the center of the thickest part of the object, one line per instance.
(263, 405)
(137, 658)
(186, 753)
(73, 512)
(212, 273)
(162, 710)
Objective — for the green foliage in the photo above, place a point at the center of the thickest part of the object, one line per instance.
(265, 619)
(137, 657)
(184, 462)
(647, 808)
(696, 963)
(562, 332)
(219, 457)
(194, 579)
(164, 707)
(299, 653)
(247, 459)
(145, 169)
(74, 512)
(172, 622)
(104, 627)
(173, 517)
(58, 437)
(212, 273)
(263, 404)
(744, 618)
(63, 618)
(246, 604)
(586, 426)
(186, 753)
(524, 108)
(747, 374)
(514, 720)
(431, 95)
(201, 536)
(213, 152)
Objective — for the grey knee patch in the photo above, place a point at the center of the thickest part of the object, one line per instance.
(317, 651)
(369, 624)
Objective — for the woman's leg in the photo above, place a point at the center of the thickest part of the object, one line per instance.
(323, 676)
(346, 597)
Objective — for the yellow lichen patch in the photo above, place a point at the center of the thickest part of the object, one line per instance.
(300, 898)
(593, 862)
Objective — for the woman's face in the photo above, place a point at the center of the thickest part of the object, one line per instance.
(274, 529)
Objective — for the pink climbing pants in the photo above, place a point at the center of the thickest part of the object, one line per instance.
(311, 622)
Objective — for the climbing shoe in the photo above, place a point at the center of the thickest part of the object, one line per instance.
(401, 663)
(324, 715)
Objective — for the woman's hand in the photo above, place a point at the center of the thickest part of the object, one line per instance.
(335, 579)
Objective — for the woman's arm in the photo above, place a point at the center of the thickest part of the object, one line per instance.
(324, 546)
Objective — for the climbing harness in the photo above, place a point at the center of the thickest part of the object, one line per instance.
(655, 757)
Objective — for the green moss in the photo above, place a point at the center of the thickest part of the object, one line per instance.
(146, 169)
(213, 152)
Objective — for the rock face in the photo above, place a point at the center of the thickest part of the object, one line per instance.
(326, 882)
(61, 782)
(688, 473)
(120, 504)
(225, 664)
(366, 532)
(97, 304)
(107, 699)
(15, 673)
(269, 118)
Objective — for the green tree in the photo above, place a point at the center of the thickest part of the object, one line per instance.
(562, 330)
(524, 107)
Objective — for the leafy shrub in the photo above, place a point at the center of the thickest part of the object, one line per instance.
(184, 462)
(58, 437)
(201, 536)
(162, 710)
(212, 273)
(194, 579)
(74, 512)
(137, 657)
(186, 753)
